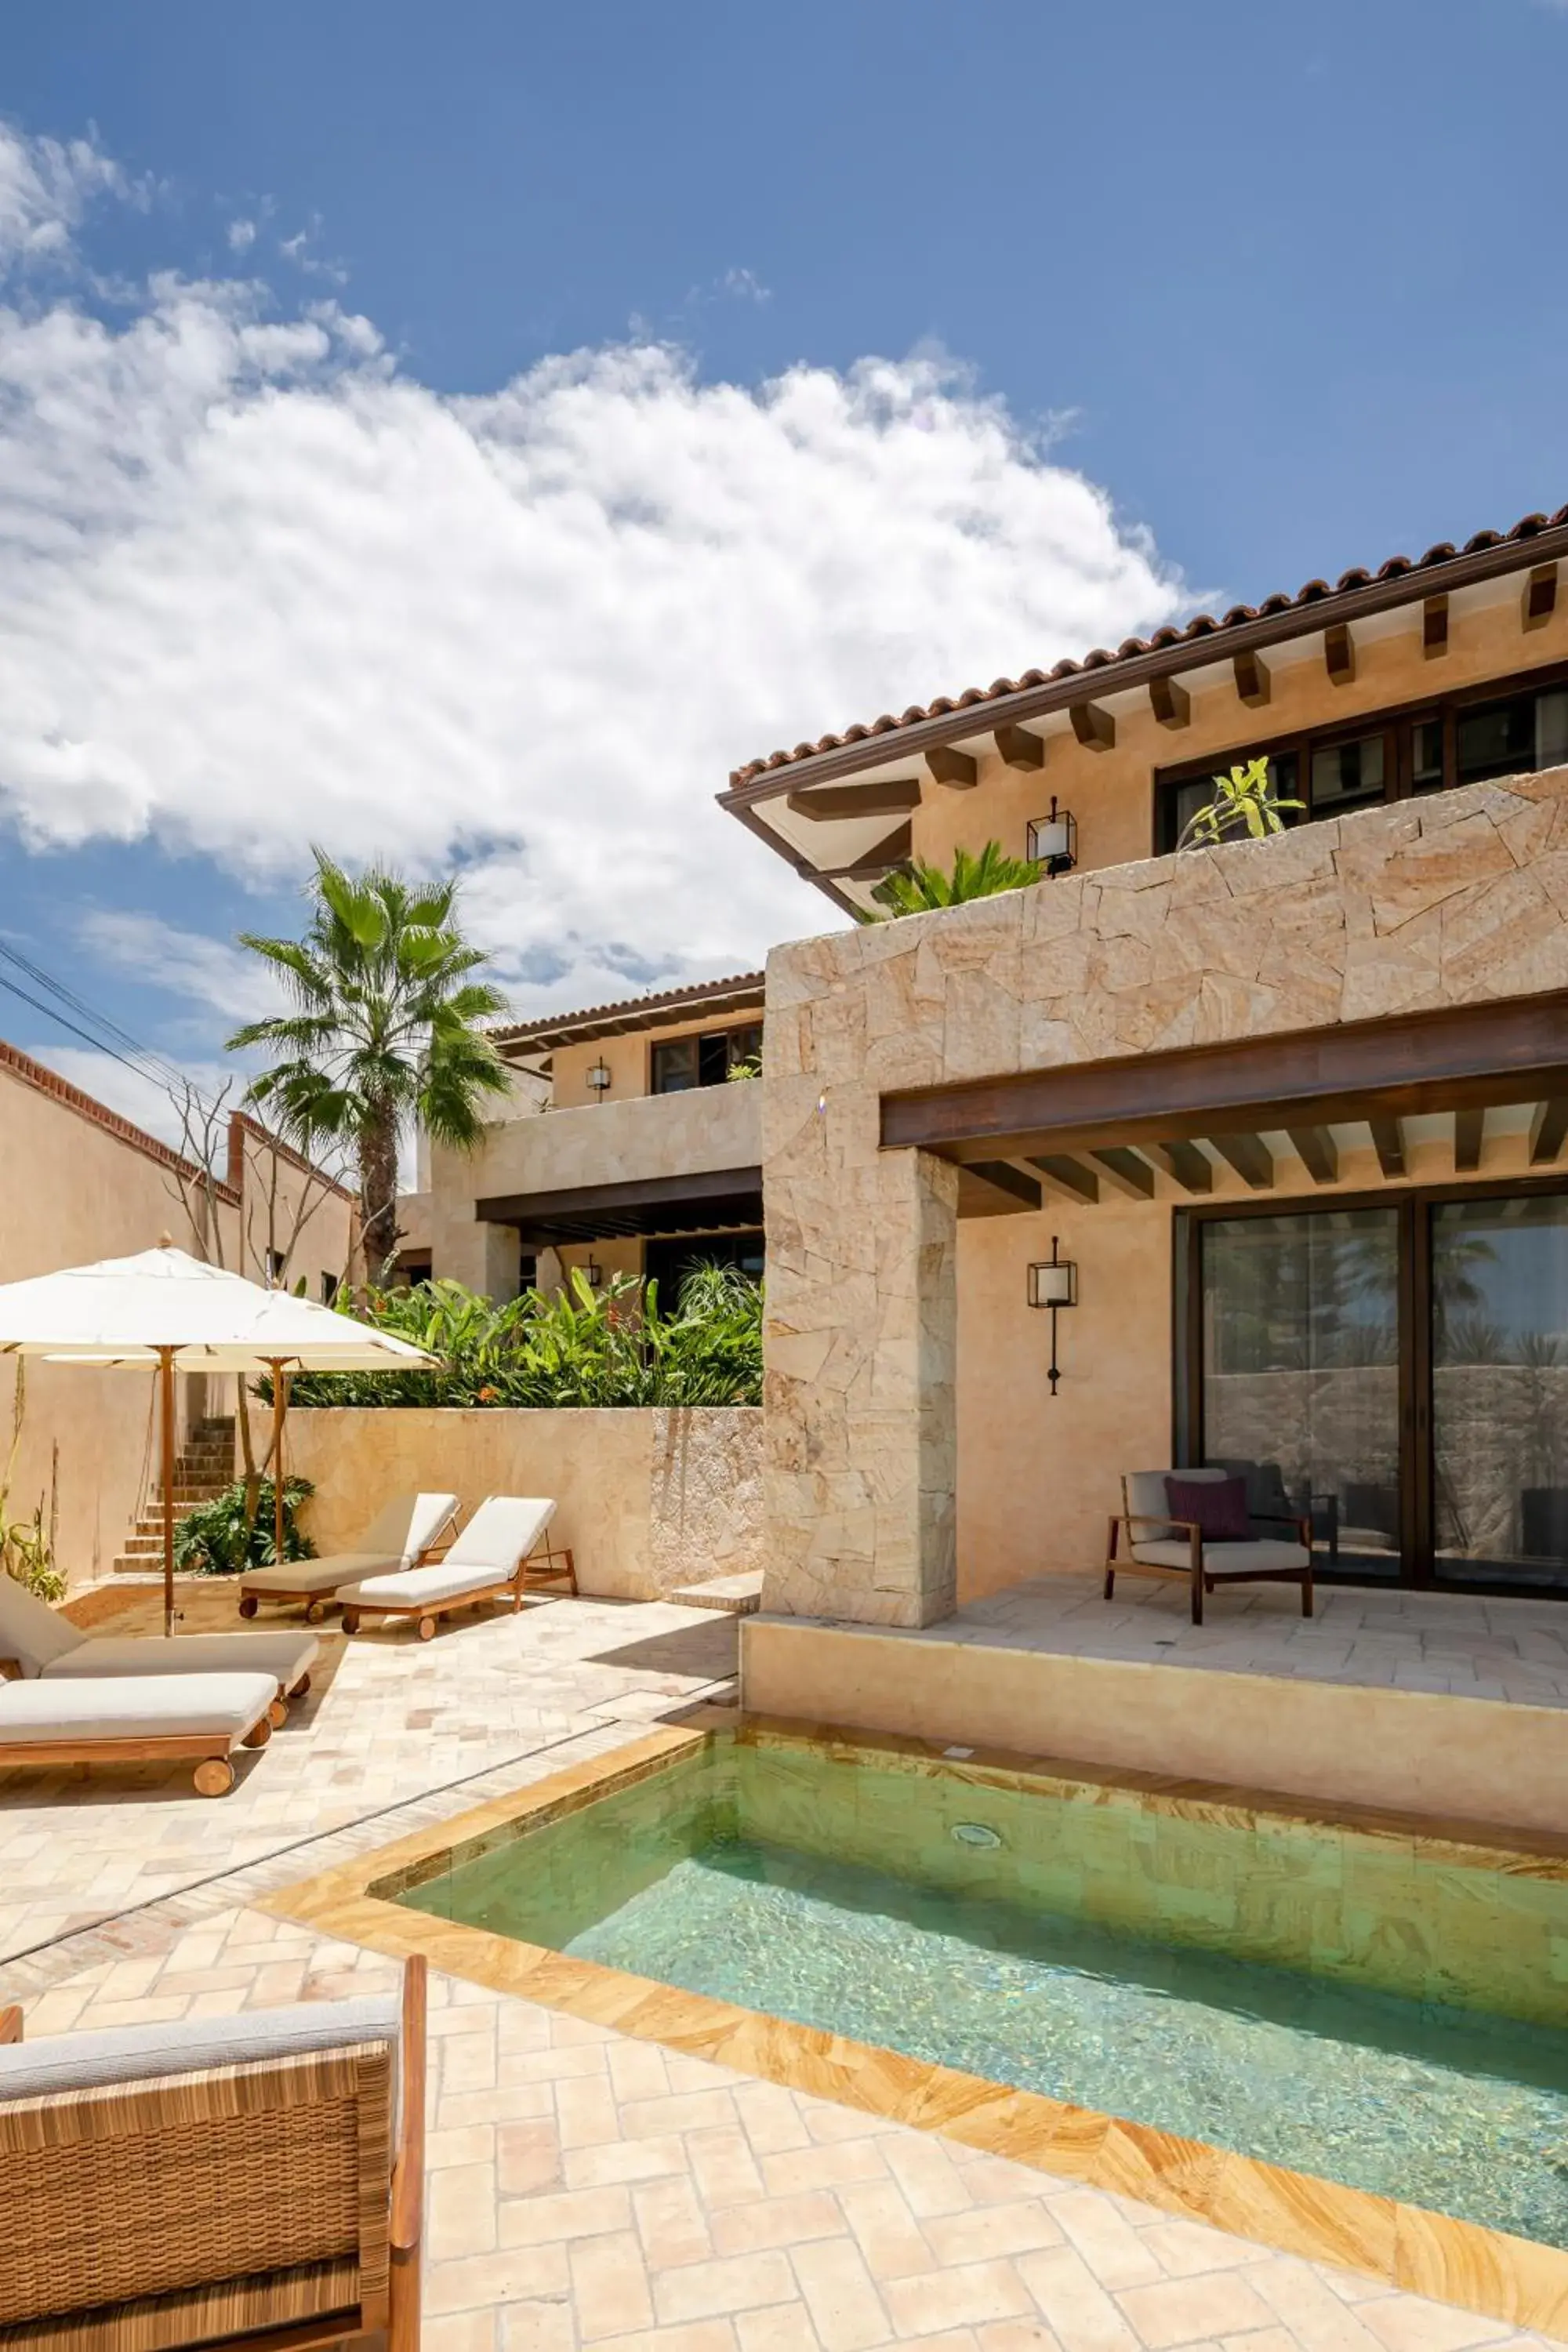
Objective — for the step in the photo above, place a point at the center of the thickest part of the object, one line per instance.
(740, 1595)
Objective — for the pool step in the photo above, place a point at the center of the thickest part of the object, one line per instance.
(741, 1595)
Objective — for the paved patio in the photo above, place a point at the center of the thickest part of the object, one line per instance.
(1458, 1643)
(588, 2190)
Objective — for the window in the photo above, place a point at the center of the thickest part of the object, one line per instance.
(330, 1286)
(276, 1262)
(681, 1063)
(1463, 741)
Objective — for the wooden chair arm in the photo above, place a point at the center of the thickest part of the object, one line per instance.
(1300, 1520)
(408, 2170)
(10, 2024)
(1131, 1519)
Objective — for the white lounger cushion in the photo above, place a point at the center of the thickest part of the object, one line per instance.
(405, 1526)
(136, 2053)
(30, 1630)
(133, 1706)
(1226, 1559)
(285, 1655)
(492, 1547)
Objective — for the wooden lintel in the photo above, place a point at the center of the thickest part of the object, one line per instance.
(1191, 1168)
(1004, 1178)
(895, 848)
(1317, 1152)
(1252, 681)
(1469, 1134)
(1019, 748)
(1339, 655)
(1072, 1176)
(1388, 1142)
(1095, 728)
(955, 769)
(1128, 1169)
(1539, 599)
(1249, 1156)
(892, 796)
(1171, 703)
(1435, 626)
(1547, 1129)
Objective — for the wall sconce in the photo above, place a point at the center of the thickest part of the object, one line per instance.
(599, 1078)
(1053, 1282)
(593, 1274)
(1054, 839)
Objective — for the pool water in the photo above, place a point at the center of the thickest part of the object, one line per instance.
(831, 1890)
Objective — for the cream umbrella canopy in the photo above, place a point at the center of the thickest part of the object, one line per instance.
(163, 1308)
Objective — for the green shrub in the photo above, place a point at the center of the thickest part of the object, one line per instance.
(213, 1540)
(615, 1346)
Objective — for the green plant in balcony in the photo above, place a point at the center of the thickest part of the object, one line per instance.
(918, 888)
(1245, 801)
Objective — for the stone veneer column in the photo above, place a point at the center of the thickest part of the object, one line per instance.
(858, 1432)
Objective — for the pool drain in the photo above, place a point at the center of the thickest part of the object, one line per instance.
(974, 1834)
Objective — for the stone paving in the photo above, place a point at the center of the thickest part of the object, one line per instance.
(589, 2192)
(1459, 1643)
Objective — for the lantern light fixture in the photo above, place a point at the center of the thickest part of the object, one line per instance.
(599, 1076)
(593, 1274)
(1053, 1282)
(1053, 839)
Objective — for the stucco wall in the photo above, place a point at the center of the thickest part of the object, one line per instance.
(1457, 898)
(647, 1499)
(1111, 792)
(628, 1059)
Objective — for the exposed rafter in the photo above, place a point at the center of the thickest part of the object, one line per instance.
(1435, 626)
(890, 796)
(1071, 1175)
(1249, 1156)
(955, 769)
(1339, 655)
(1020, 748)
(1004, 1178)
(1128, 1169)
(1171, 703)
(1539, 599)
(1469, 1133)
(1252, 681)
(1191, 1168)
(1548, 1128)
(1388, 1142)
(1095, 728)
(1317, 1152)
(894, 849)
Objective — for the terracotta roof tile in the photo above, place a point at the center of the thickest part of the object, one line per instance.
(632, 1012)
(1201, 627)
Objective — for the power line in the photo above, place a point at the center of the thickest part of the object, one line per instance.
(105, 1036)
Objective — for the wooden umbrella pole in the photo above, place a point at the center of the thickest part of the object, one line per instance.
(167, 1389)
(280, 1407)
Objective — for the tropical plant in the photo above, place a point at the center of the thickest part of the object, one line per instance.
(746, 1066)
(1245, 801)
(917, 889)
(220, 1537)
(384, 1029)
(615, 1346)
(27, 1545)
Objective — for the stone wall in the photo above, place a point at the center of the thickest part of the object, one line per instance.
(1422, 904)
(648, 1498)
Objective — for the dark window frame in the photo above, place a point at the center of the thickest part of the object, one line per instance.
(1397, 722)
(706, 1044)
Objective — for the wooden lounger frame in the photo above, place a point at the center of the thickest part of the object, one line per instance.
(210, 1750)
(319, 1599)
(543, 1566)
(300, 2245)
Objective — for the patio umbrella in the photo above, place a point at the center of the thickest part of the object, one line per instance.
(163, 1307)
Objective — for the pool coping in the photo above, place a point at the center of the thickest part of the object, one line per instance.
(1408, 2246)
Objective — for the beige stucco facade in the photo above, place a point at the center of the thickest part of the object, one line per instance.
(909, 1439)
(78, 1183)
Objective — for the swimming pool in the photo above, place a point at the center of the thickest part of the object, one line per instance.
(1366, 2003)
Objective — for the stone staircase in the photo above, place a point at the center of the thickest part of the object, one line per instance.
(203, 1468)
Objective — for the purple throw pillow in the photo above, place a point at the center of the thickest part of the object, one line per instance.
(1218, 1505)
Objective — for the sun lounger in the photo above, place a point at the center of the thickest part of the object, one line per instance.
(255, 2179)
(138, 1719)
(489, 1558)
(403, 1531)
(36, 1641)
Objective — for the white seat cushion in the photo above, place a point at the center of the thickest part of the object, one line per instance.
(322, 1576)
(420, 1588)
(137, 2053)
(1147, 1499)
(133, 1706)
(1226, 1559)
(405, 1526)
(30, 1630)
(284, 1656)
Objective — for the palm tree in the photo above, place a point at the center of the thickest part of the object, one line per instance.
(384, 1029)
(916, 889)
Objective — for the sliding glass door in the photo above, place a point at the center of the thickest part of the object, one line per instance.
(1396, 1370)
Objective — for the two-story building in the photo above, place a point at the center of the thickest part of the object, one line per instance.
(1293, 1109)
(632, 1146)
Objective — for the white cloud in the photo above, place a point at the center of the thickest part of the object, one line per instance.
(241, 236)
(259, 587)
(223, 979)
(139, 1096)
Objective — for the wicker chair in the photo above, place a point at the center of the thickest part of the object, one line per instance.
(240, 2182)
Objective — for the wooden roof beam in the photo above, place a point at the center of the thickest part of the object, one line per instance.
(1539, 599)
(1249, 1156)
(1191, 1168)
(1080, 1183)
(895, 848)
(1316, 1150)
(1547, 1129)
(1095, 728)
(1435, 627)
(1339, 655)
(1128, 1169)
(1252, 681)
(1469, 1133)
(829, 804)
(1004, 1178)
(1171, 703)
(1020, 749)
(1388, 1142)
(955, 769)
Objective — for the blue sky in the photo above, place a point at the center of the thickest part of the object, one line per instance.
(460, 433)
